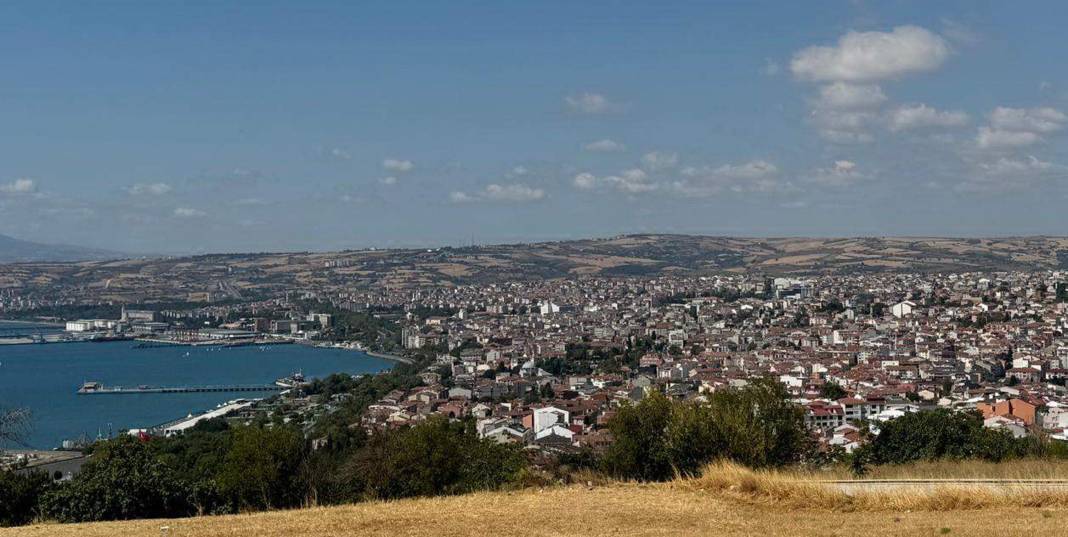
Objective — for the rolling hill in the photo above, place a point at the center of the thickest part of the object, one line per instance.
(254, 274)
(13, 250)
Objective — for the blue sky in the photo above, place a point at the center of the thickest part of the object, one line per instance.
(250, 126)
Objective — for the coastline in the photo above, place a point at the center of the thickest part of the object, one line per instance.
(391, 357)
(36, 323)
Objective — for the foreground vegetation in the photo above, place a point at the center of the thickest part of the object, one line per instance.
(268, 465)
(726, 500)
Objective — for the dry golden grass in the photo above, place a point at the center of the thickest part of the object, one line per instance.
(804, 491)
(966, 469)
(727, 501)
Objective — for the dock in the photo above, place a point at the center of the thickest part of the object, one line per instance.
(93, 388)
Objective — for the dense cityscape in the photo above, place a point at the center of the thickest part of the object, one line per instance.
(547, 364)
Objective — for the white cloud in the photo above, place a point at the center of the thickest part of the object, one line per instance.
(391, 180)
(21, 185)
(996, 139)
(585, 181)
(1043, 120)
(841, 173)
(398, 166)
(1007, 166)
(339, 153)
(1009, 174)
(187, 212)
(843, 95)
(149, 189)
(844, 126)
(604, 146)
(632, 181)
(506, 193)
(590, 103)
(922, 116)
(872, 56)
(1019, 127)
(461, 197)
(752, 176)
(660, 160)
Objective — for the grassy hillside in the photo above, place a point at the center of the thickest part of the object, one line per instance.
(243, 275)
(727, 501)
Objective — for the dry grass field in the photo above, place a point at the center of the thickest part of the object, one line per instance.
(727, 501)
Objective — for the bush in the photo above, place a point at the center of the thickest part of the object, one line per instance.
(262, 469)
(433, 458)
(123, 480)
(19, 496)
(657, 439)
(942, 434)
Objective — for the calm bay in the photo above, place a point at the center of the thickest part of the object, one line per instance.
(45, 378)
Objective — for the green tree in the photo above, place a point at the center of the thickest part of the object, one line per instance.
(432, 458)
(262, 468)
(122, 480)
(758, 424)
(832, 391)
(640, 441)
(942, 433)
(20, 495)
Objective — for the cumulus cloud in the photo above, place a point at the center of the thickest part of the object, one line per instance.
(149, 189)
(752, 176)
(398, 166)
(989, 138)
(1043, 120)
(844, 126)
(840, 173)
(503, 193)
(1019, 127)
(660, 160)
(21, 185)
(604, 146)
(1010, 173)
(391, 180)
(846, 96)
(918, 116)
(585, 181)
(590, 103)
(188, 212)
(631, 181)
(872, 56)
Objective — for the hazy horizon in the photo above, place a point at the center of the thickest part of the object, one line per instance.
(267, 126)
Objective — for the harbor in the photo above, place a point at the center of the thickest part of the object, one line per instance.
(45, 379)
(95, 388)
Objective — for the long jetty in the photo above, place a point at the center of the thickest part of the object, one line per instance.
(115, 390)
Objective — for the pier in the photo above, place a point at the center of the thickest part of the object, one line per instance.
(93, 388)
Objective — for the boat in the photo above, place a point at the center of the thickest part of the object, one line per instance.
(293, 381)
(90, 387)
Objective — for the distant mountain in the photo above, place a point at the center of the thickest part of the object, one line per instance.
(13, 250)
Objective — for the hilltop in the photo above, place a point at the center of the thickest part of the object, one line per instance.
(236, 275)
(13, 250)
(681, 508)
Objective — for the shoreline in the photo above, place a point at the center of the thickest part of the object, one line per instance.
(391, 357)
(38, 323)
